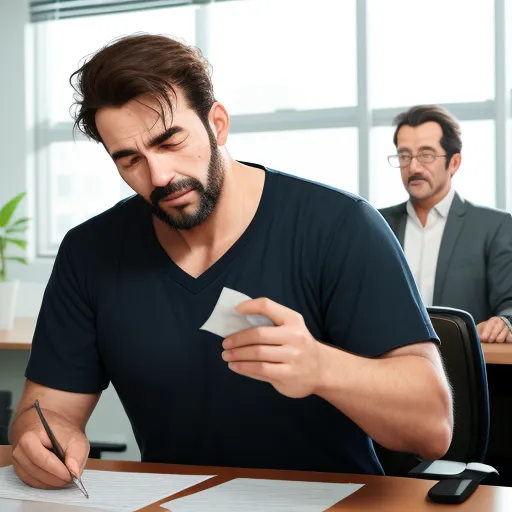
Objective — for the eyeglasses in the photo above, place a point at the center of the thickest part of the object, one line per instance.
(404, 159)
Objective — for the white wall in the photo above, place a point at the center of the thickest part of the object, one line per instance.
(108, 422)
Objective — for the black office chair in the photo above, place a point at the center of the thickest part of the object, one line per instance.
(97, 448)
(465, 366)
(5, 416)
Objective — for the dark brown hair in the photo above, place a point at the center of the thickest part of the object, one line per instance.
(451, 140)
(140, 64)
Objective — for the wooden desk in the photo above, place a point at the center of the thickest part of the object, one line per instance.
(378, 494)
(20, 336)
(497, 353)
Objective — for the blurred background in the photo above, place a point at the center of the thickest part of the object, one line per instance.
(312, 88)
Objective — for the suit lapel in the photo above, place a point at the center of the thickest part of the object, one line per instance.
(399, 222)
(451, 233)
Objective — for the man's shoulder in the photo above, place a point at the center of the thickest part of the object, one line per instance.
(313, 194)
(104, 229)
(491, 216)
(322, 212)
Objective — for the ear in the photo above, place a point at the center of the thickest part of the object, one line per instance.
(454, 164)
(219, 122)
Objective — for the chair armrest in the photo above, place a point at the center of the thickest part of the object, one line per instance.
(448, 469)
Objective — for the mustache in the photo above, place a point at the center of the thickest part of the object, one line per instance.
(162, 192)
(416, 177)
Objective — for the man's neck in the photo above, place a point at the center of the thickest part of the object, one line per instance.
(423, 207)
(198, 248)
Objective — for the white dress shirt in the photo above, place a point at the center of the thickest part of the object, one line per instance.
(421, 245)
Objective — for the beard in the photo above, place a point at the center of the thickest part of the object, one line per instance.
(208, 195)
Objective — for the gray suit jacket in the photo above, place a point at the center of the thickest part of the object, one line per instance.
(474, 266)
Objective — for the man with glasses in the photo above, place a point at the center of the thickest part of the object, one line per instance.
(460, 254)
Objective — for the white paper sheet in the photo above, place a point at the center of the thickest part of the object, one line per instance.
(108, 490)
(41, 506)
(225, 320)
(254, 495)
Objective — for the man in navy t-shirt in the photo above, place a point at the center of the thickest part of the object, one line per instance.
(352, 355)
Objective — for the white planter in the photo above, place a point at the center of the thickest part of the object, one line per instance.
(8, 299)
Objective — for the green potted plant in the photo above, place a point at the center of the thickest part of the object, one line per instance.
(10, 230)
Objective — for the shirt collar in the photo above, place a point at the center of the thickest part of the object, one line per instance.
(443, 207)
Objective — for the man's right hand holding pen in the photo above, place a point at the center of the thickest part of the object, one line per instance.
(33, 458)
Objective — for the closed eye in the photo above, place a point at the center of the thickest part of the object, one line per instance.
(131, 162)
(173, 145)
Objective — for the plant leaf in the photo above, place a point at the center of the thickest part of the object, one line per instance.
(17, 241)
(18, 259)
(8, 209)
(18, 229)
(23, 220)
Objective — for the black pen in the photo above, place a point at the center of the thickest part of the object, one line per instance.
(57, 448)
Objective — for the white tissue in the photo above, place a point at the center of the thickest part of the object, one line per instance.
(225, 320)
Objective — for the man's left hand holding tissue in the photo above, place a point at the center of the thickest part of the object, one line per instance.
(285, 355)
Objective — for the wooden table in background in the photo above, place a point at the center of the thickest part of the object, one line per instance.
(380, 493)
(497, 353)
(20, 338)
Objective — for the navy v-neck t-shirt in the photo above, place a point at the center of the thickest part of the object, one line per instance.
(118, 310)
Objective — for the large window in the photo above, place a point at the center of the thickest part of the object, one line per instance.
(312, 89)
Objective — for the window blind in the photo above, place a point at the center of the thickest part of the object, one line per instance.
(44, 10)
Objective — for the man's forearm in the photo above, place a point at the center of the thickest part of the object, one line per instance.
(59, 407)
(401, 402)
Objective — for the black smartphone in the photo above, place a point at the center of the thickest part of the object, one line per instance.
(452, 490)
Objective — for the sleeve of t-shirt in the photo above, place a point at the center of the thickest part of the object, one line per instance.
(371, 302)
(64, 352)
